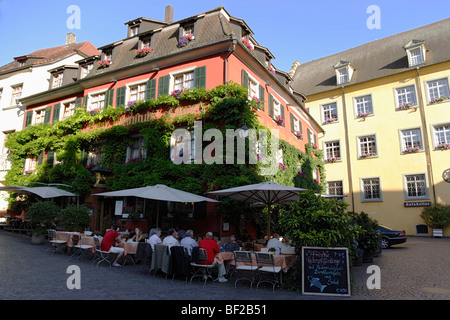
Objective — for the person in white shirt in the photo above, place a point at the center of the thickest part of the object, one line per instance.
(275, 243)
(171, 239)
(188, 241)
(155, 237)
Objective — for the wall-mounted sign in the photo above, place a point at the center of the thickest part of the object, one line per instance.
(418, 204)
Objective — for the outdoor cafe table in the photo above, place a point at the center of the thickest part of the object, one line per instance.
(68, 235)
(129, 247)
(282, 260)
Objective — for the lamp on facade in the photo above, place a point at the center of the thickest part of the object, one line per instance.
(243, 131)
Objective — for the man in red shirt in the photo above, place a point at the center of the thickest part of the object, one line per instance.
(211, 247)
(108, 244)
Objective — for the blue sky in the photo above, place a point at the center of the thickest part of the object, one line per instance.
(292, 30)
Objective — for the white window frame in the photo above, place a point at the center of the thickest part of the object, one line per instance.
(363, 105)
(372, 185)
(31, 163)
(180, 140)
(71, 104)
(336, 190)
(178, 73)
(361, 143)
(344, 75)
(96, 153)
(37, 116)
(332, 149)
(440, 94)
(134, 30)
(136, 150)
(276, 108)
(406, 97)
(416, 56)
(85, 69)
(91, 99)
(407, 136)
(327, 112)
(424, 181)
(15, 96)
(130, 87)
(57, 79)
(446, 134)
(279, 156)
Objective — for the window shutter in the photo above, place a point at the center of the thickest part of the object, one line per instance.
(29, 118)
(150, 90)
(282, 111)
(200, 77)
(261, 96)
(309, 135)
(48, 114)
(244, 78)
(292, 122)
(120, 96)
(78, 102)
(56, 109)
(50, 157)
(85, 101)
(270, 105)
(40, 158)
(163, 86)
(109, 98)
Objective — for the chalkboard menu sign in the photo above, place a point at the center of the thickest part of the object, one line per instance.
(325, 271)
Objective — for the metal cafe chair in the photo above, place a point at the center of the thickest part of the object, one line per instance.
(54, 243)
(201, 270)
(243, 265)
(266, 263)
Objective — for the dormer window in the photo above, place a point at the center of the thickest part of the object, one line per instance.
(416, 52)
(86, 69)
(57, 80)
(134, 30)
(344, 72)
(188, 29)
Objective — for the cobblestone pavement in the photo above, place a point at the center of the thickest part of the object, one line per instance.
(416, 270)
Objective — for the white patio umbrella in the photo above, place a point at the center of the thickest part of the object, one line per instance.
(158, 192)
(268, 193)
(43, 192)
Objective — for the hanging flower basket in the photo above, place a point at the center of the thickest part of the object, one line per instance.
(143, 52)
(104, 63)
(184, 40)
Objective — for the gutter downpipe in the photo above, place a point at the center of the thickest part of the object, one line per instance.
(425, 135)
(347, 151)
(233, 48)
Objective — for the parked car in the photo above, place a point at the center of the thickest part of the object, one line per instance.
(391, 237)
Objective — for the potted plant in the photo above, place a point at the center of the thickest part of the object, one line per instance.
(369, 238)
(74, 218)
(42, 216)
(437, 216)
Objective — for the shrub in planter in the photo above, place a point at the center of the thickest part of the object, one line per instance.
(74, 218)
(368, 241)
(42, 215)
(437, 216)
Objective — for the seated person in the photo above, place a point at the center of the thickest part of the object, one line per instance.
(138, 236)
(155, 237)
(188, 241)
(108, 244)
(232, 245)
(211, 247)
(275, 243)
(171, 239)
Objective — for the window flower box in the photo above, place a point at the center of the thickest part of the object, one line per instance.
(143, 52)
(104, 63)
(332, 159)
(329, 120)
(279, 120)
(406, 106)
(298, 134)
(412, 149)
(437, 100)
(282, 166)
(271, 70)
(363, 115)
(184, 40)
(95, 111)
(247, 43)
(367, 155)
(256, 103)
(444, 146)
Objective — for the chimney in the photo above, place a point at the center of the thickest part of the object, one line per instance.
(169, 14)
(70, 38)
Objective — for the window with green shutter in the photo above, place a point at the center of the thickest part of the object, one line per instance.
(270, 105)
(56, 111)
(28, 118)
(262, 96)
(85, 101)
(48, 114)
(78, 102)
(50, 157)
(200, 77)
(40, 158)
(163, 85)
(109, 98)
(150, 89)
(244, 76)
(120, 96)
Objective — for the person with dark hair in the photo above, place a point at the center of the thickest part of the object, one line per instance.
(171, 239)
(109, 241)
(232, 245)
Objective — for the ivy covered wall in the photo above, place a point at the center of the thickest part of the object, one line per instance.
(224, 107)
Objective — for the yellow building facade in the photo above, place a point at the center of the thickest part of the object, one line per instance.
(385, 110)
